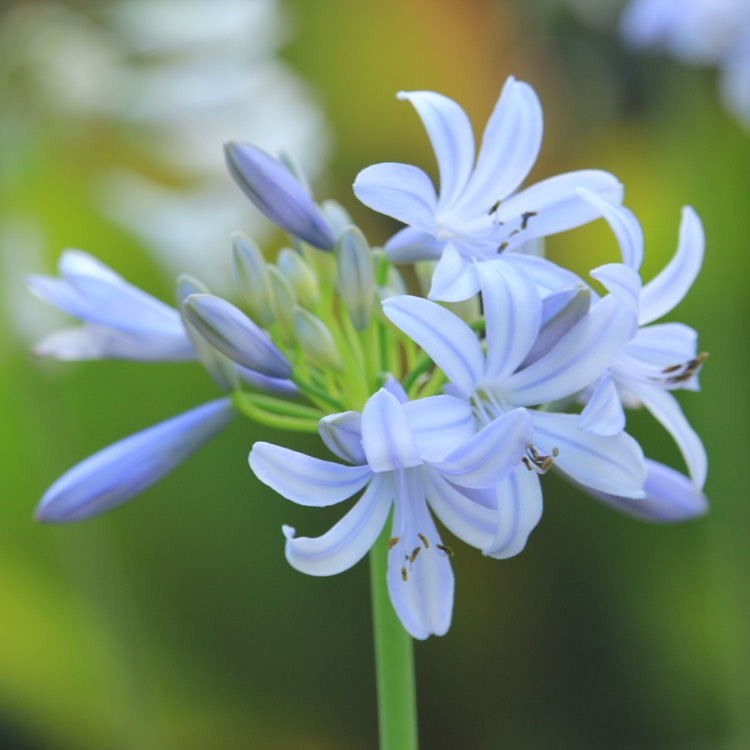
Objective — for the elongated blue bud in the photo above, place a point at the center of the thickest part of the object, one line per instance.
(355, 278)
(298, 273)
(126, 468)
(251, 277)
(221, 369)
(277, 194)
(315, 339)
(230, 331)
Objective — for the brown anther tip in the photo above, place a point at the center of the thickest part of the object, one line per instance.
(404, 574)
(392, 542)
(423, 539)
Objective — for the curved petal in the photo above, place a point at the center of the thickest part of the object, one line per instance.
(609, 463)
(342, 434)
(80, 263)
(469, 521)
(624, 226)
(519, 506)
(449, 131)
(513, 315)
(492, 454)
(128, 467)
(387, 440)
(579, 358)
(410, 245)
(663, 405)
(399, 190)
(670, 497)
(421, 587)
(557, 204)
(346, 543)
(303, 479)
(603, 414)
(664, 344)
(444, 337)
(510, 146)
(666, 289)
(548, 276)
(454, 278)
(622, 282)
(439, 424)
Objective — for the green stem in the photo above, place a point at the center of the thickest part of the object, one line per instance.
(394, 661)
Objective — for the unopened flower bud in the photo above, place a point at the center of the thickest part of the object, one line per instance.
(252, 280)
(284, 301)
(277, 194)
(235, 335)
(221, 369)
(338, 217)
(355, 278)
(315, 339)
(299, 274)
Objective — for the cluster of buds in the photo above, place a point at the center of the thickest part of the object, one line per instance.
(446, 392)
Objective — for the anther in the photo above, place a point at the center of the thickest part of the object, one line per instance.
(414, 554)
(525, 218)
(404, 574)
(535, 461)
(392, 542)
(444, 548)
(686, 370)
(423, 539)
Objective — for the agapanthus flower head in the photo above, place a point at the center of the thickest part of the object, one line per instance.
(479, 213)
(409, 457)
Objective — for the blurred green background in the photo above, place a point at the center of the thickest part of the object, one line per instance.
(175, 623)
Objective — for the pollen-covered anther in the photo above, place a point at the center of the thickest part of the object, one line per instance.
(424, 540)
(446, 549)
(393, 541)
(404, 574)
(413, 556)
(537, 462)
(685, 370)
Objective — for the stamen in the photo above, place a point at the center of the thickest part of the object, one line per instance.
(423, 539)
(502, 247)
(444, 548)
(494, 207)
(404, 575)
(535, 461)
(525, 218)
(685, 370)
(392, 542)
(414, 554)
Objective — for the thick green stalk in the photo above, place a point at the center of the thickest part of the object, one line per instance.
(394, 661)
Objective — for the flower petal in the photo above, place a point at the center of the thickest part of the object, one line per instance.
(666, 289)
(492, 454)
(421, 588)
(346, 543)
(303, 479)
(126, 468)
(557, 204)
(510, 146)
(410, 245)
(663, 344)
(670, 497)
(519, 505)
(513, 313)
(342, 434)
(663, 405)
(579, 358)
(624, 226)
(622, 282)
(439, 424)
(450, 133)
(469, 521)
(603, 414)
(444, 337)
(609, 463)
(454, 278)
(387, 440)
(399, 190)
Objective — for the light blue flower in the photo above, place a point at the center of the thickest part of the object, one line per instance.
(479, 212)
(661, 357)
(503, 378)
(126, 468)
(277, 194)
(412, 456)
(119, 320)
